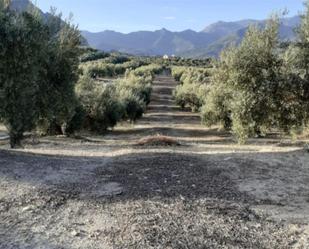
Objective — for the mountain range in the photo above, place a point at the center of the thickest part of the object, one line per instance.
(208, 42)
(188, 43)
(24, 5)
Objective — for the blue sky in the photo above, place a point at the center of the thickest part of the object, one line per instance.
(176, 15)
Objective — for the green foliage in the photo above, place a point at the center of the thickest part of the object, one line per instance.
(137, 86)
(107, 112)
(191, 95)
(248, 89)
(93, 56)
(61, 74)
(176, 61)
(152, 68)
(134, 106)
(38, 62)
(295, 91)
(100, 103)
(111, 66)
(255, 87)
(192, 88)
(177, 72)
(261, 85)
(135, 90)
(116, 59)
(77, 121)
(23, 38)
(125, 99)
(217, 109)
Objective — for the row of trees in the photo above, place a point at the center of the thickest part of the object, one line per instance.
(255, 87)
(43, 86)
(38, 69)
(259, 86)
(103, 105)
(109, 67)
(192, 88)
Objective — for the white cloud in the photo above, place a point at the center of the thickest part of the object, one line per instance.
(169, 17)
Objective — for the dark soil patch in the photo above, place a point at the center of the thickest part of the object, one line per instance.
(158, 141)
(169, 175)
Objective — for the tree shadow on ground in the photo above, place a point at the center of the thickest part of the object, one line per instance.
(140, 175)
(180, 132)
(160, 178)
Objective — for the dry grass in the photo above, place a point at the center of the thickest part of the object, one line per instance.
(200, 224)
(158, 140)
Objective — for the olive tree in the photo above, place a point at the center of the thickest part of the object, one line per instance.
(23, 38)
(58, 101)
(38, 70)
(245, 81)
(296, 73)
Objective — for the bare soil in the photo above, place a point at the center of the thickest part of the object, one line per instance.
(108, 192)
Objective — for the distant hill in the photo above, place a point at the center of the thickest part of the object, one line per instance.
(147, 43)
(208, 42)
(24, 5)
(188, 43)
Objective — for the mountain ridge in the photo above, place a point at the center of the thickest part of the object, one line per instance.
(188, 43)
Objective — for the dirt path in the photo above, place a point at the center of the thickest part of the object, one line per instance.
(107, 192)
(163, 117)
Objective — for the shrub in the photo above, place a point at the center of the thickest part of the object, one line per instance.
(191, 95)
(100, 102)
(109, 67)
(108, 110)
(92, 56)
(77, 121)
(216, 108)
(103, 105)
(134, 106)
(138, 85)
(177, 72)
(245, 83)
(192, 88)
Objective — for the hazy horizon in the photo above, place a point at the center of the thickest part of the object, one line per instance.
(136, 15)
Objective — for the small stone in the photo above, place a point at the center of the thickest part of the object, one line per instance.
(109, 189)
(251, 217)
(258, 226)
(75, 233)
(25, 209)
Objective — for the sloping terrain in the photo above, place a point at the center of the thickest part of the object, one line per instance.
(188, 43)
(110, 192)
